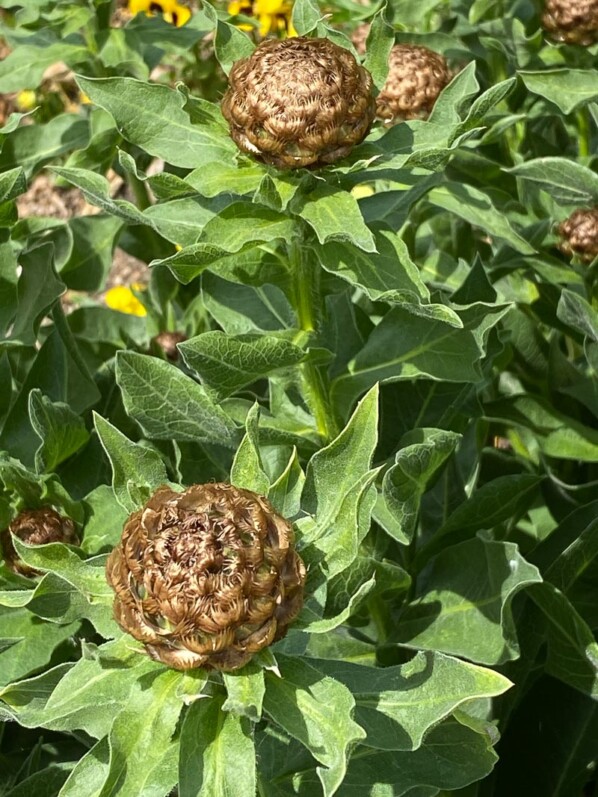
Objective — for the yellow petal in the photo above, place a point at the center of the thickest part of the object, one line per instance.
(266, 23)
(124, 300)
(270, 7)
(135, 6)
(183, 14)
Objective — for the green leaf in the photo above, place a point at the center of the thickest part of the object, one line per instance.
(148, 724)
(475, 207)
(58, 601)
(578, 313)
(337, 490)
(87, 575)
(96, 190)
(381, 38)
(457, 95)
(38, 290)
(306, 15)
(501, 500)
(566, 88)
(285, 493)
(45, 782)
(167, 404)
(182, 220)
(388, 274)
(8, 290)
(556, 434)
(217, 754)
(193, 260)
(152, 117)
(245, 690)
(32, 146)
(241, 309)
(90, 772)
(550, 747)
(334, 215)
(61, 430)
(34, 642)
(230, 43)
(466, 607)
(572, 648)
(243, 223)
(408, 346)
(24, 67)
(94, 238)
(12, 183)
(89, 693)
(421, 456)
(104, 520)
(137, 471)
(226, 178)
(414, 696)
(451, 757)
(567, 182)
(247, 471)
(317, 711)
(227, 363)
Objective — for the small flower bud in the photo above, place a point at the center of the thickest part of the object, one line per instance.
(206, 577)
(579, 234)
(167, 343)
(571, 21)
(35, 527)
(416, 76)
(298, 102)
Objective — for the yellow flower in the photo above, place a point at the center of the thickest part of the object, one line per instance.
(124, 300)
(274, 16)
(173, 12)
(245, 7)
(25, 100)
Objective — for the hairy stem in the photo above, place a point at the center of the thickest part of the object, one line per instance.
(583, 126)
(140, 192)
(306, 299)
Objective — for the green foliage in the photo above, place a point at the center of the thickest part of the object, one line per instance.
(391, 349)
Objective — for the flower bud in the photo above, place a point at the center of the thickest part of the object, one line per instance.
(206, 577)
(35, 527)
(571, 21)
(167, 343)
(579, 234)
(416, 76)
(298, 102)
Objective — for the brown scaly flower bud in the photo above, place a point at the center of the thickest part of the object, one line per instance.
(206, 577)
(416, 76)
(35, 527)
(571, 21)
(579, 234)
(167, 341)
(298, 102)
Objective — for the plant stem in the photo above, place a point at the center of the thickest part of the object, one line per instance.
(583, 123)
(140, 192)
(305, 297)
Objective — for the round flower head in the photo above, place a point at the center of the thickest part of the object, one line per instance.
(571, 21)
(416, 76)
(298, 102)
(207, 577)
(579, 234)
(35, 527)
